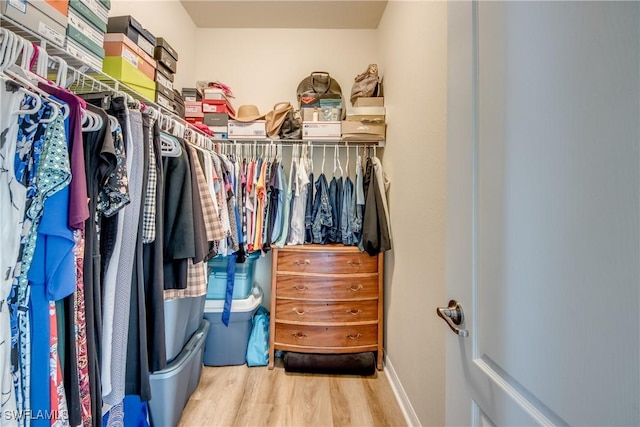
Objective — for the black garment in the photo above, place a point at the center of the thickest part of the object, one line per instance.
(375, 234)
(137, 378)
(100, 162)
(109, 226)
(272, 197)
(335, 200)
(179, 238)
(154, 273)
(308, 213)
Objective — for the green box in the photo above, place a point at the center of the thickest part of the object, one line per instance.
(82, 39)
(122, 70)
(87, 13)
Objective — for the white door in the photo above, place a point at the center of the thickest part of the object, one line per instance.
(543, 211)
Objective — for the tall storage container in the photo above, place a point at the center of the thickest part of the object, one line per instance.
(172, 386)
(227, 345)
(182, 318)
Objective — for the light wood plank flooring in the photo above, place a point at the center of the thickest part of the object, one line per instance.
(243, 396)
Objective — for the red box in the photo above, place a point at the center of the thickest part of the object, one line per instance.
(193, 120)
(217, 106)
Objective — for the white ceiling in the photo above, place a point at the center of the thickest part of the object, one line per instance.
(340, 14)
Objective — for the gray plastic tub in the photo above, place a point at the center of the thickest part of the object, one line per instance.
(172, 386)
(227, 345)
(182, 318)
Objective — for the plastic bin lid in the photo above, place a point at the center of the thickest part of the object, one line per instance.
(237, 305)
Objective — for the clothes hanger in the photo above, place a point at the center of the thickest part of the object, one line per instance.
(337, 156)
(170, 146)
(346, 144)
(324, 153)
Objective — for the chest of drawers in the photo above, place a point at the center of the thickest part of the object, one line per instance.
(326, 299)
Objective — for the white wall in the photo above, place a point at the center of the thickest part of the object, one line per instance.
(412, 38)
(264, 66)
(167, 19)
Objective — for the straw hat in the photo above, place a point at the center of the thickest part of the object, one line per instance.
(247, 113)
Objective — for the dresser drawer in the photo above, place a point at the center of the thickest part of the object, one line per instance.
(326, 336)
(326, 262)
(317, 311)
(327, 288)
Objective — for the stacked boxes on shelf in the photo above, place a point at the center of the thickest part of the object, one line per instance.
(134, 66)
(227, 345)
(192, 105)
(167, 58)
(216, 108)
(86, 30)
(47, 18)
(322, 120)
(365, 121)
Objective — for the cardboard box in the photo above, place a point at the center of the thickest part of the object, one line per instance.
(377, 101)
(86, 12)
(191, 94)
(167, 72)
(127, 71)
(164, 86)
(163, 44)
(194, 109)
(99, 9)
(115, 39)
(193, 120)
(215, 94)
(359, 131)
(37, 16)
(163, 101)
(366, 114)
(163, 57)
(216, 119)
(133, 29)
(217, 106)
(321, 130)
(255, 129)
(120, 45)
(85, 34)
(84, 55)
(219, 129)
(61, 6)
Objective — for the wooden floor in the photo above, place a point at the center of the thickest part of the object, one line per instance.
(243, 396)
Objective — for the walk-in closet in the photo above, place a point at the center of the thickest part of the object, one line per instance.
(319, 213)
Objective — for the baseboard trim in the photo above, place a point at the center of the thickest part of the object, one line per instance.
(401, 396)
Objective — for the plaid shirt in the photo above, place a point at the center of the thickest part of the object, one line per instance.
(213, 226)
(196, 282)
(149, 213)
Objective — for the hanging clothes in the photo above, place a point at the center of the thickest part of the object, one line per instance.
(375, 232)
(13, 197)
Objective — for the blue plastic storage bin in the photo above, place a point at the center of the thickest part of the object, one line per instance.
(243, 283)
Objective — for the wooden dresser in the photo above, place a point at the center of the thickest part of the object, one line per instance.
(326, 299)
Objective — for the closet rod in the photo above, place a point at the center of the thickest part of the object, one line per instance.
(299, 142)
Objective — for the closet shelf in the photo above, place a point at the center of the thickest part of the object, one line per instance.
(83, 78)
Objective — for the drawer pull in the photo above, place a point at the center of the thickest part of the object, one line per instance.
(301, 263)
(298, 335)
(354, 288)
(354, 337)
(356, 264)
(299, 313)
(299, 288)
(354, 312)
